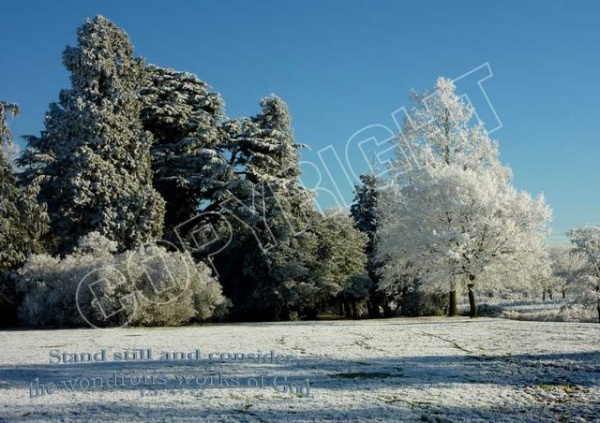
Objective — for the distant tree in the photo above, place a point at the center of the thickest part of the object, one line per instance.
(586, 241)
(365, 214)
(342, 261)
(22, 220)
(92, 161)
(364, 207)
(566, 266)
(7, 110)
(189, 152)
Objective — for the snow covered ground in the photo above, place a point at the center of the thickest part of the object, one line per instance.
(427, 369)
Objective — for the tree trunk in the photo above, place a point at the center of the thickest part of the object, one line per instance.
(544, 295)
(376, 299)
(472, 305)
(348, 308)
(598, 301)
(550, 294)
(452, 307)
(564, 293)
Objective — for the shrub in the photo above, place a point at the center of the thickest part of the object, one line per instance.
(148, 286)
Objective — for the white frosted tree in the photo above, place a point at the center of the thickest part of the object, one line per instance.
(441, 129)
(586, 241)
(92, 161)
(451, 217)
(466, 227)
(567, 266)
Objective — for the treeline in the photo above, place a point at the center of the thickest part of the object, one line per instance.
(140, 181)
(142, 203)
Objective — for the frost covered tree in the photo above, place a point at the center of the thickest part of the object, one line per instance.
(92, 161)
(440, 130)
(452, 217)
(7, 110)
(364, 212)
(268, 212)
(467, 227)
(342, 261)
(566, 267)
(22, 220)
(586, 241)
(189, 152)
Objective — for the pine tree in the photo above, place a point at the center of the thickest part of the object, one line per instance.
(93, 159)
(269, 210)
(22, 221)
(188, 154)
(364, 207)
(7, 110)
(364, 212)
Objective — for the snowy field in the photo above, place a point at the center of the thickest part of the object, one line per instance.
(428, 369)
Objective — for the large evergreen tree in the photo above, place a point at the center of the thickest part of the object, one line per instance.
(269, 211)
(189, 160)
(93, 159)
(22, 221)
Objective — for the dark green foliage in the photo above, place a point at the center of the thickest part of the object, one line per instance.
(189, 160)
(365, 214)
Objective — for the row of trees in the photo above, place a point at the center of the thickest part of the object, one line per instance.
(140, 180)
(135, 154)
(449, 220)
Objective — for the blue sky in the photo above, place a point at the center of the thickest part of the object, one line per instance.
(345, 65)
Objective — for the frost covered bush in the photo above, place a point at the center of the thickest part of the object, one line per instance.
(170, 288)
(148, 286)
(567, 313)
(49, 284)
